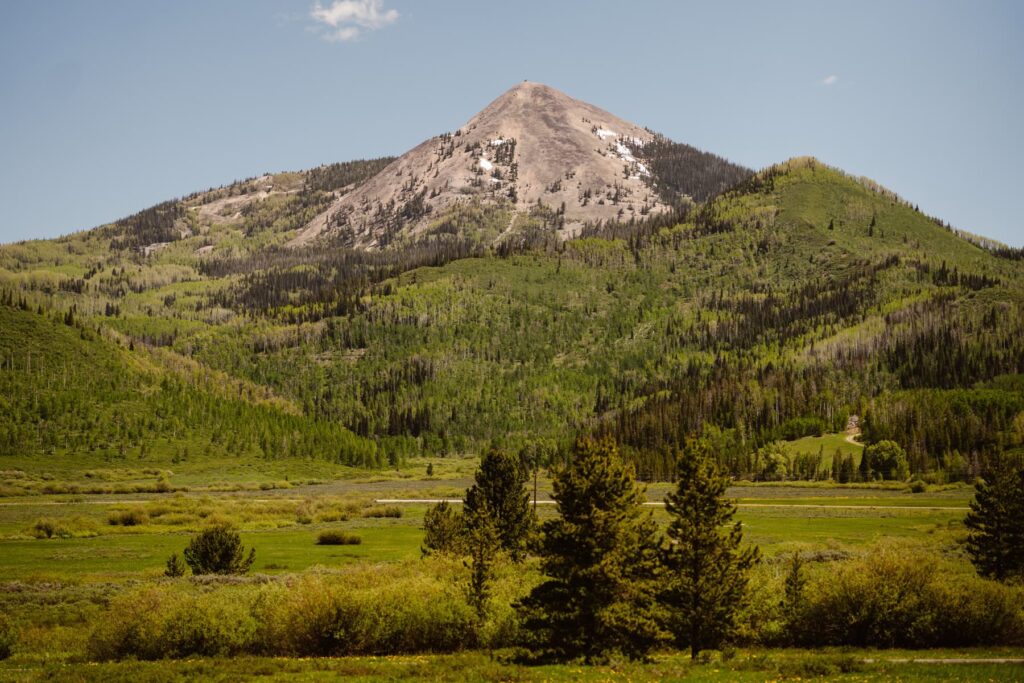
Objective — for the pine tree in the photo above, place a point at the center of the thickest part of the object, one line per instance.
(996, 521)
(501, 486)
(442, 530)
(483, 543)
(837, 466)
(218, 550)
(793, 598)
(600, 560)
(706, 568)
(175, 567)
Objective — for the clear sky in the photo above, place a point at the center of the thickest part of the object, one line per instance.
(107, 107)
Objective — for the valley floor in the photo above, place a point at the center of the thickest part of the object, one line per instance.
(107, 544)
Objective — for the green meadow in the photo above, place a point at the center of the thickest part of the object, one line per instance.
(105, 546)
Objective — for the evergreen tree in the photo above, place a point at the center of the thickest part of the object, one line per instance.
(218, 550)
(483, 544)
(599, 558)
(175, 567)
(996, 521)
(501, 487)
(793, 598)
(706, 568)
(442, 530)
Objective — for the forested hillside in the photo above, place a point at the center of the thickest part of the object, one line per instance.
(774, 310)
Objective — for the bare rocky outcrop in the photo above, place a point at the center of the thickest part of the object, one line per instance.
(532, 144)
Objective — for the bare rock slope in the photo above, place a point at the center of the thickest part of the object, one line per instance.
(533, 144)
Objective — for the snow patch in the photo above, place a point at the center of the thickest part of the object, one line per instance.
(624, 152)
(498, 141)
(605, 133)
(485, 164)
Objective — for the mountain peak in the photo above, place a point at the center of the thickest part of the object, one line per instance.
(533, 146)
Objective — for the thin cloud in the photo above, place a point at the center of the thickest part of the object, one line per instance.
(831, 79)
(345, 20)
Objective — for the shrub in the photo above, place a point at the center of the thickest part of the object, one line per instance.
(133, 517)
(383, 511)
(317, 617)
(46, 527)
(918, 486)
(175, 567)
(335, 537)
(218, 550)
(8, 637)
(901, 598)
(157, 623)
(415, 607)
(65, 527)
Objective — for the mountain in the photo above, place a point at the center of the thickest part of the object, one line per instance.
(774, 306)
(532, 145)
(533, 163)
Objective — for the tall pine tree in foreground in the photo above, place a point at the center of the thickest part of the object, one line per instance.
(706, 568)
(996, 521)
(501, 488)
(599, 557)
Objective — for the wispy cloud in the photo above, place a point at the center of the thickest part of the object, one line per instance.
(345, 20)
(831, 79)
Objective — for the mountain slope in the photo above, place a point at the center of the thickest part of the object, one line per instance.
(78, 397)
(782, 306)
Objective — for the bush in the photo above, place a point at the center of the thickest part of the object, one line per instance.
(46, 527)
(157, 623)
(415, 607)
(8, 637)
(918, 486)
(218, 550)
(335, 537)
(133, 517)
(901, 598)
(175, 567)
(383, 511)
(317, 617)
(65, 527)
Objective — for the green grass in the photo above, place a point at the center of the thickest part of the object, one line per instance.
(282, 524)
(123, 556)
(826, 445)
(751, 665)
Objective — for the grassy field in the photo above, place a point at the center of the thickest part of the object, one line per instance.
(750, 666)
(55, 588)
(826, 445)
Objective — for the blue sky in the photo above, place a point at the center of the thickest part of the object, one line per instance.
(111, 106)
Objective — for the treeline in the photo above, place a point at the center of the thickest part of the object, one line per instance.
(149, 226)
(679, 170)
(956, 432)
(331, 177)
